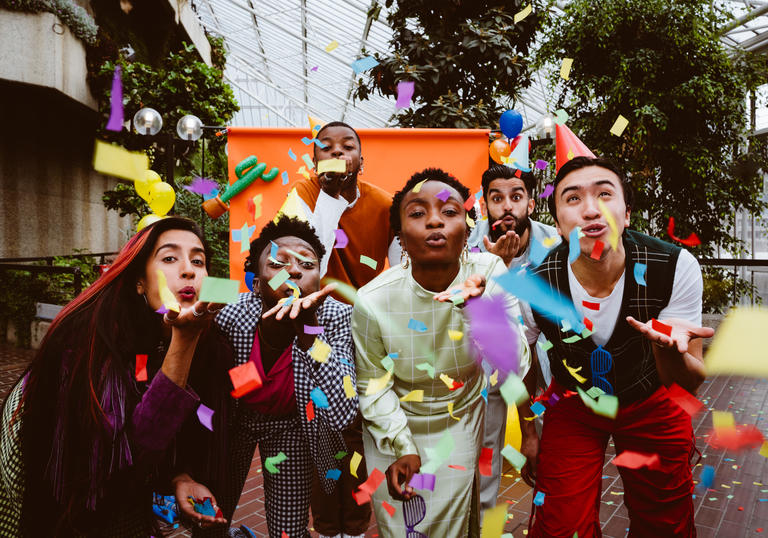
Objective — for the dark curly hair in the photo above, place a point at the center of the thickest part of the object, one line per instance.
(502, 171)
(583, 162)
(433, 174)
(340, 124)
(285, 227)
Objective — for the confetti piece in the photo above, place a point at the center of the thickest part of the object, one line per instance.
(538, 500)
(493, 521)
(340, 454)
(491, 332)
(284, 177)
(354, 463)
(546, 345)
(313, 329)
(494, 378)
(565, 68)
(166, 295)
(115, 160)
(591, 306)
(764, 450)
(607, 405)
(341, 238)
(737, 347)
(308, 161)
(513, 390)
(574, 247)
(455, 335)
(389, 508)
(636, 460)
(613, 237)
(416, 325)
(561, 116)
(438, 454)
(423, 481)
(331, 46)
(639, 270)
(574, 372)
(523, 13)
(201, 185)
(377, 384)
(205, 416)
(619, 125)
(572, 339)
(458, 467)
(470, 222)
(684, 399)
(141, 367)
(307, 141)
(736, 438)
(449, 405)
(310, 411)
(371, 485)
(538, 408)
(115, 122)
(256, 203)
(443, 195)
(332, 165)
(542, 165)
(320, 351)
(243, 235)
(270, 463)
(349, 388)
(485, 466)
(333, 474)
(447, 380)
(692, 240)
(364, 64)
(388, 363)
(291, 154)
(416, 188)
(370, 262)
(319, 398)
(469, 203)
(707, 476)
(279, 279)
(514, 457)
(426, 367)
(413, 396)
(663, 328)
(597, 250)
(405, 91)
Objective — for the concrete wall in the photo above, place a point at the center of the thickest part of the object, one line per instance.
(50, 197)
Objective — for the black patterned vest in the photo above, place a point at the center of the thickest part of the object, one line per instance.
(632, 373)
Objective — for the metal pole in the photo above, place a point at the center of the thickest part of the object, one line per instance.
(202, 173)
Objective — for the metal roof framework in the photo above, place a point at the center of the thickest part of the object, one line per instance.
(281, 69)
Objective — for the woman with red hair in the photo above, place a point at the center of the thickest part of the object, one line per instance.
(88, 432)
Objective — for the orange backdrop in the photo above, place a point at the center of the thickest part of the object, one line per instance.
(391, 156)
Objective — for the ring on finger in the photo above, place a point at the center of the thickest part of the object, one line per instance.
(196, 313)
(215, 311)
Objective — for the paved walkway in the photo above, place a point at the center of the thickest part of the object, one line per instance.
(736, 506)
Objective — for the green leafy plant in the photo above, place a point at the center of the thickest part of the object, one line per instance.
(469, 60)
(75, 17)
(687, 148)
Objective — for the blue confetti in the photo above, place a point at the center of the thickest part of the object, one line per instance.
(707, 476)
(291, 154)
(213, 194)
(484, 394)
(538, 408)
(538, 252)
(640, 269)
(284, 175)
(574, 247)
(364, 64)
(333, 474)
(249, 276)
(538, 500)
(273, 250)
(416, 325)
(319, 398)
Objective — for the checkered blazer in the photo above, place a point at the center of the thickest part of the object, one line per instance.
(323, 433)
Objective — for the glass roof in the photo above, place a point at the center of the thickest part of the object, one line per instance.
(280, 70)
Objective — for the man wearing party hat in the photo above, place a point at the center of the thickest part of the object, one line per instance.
(510, 233)
(641, 299)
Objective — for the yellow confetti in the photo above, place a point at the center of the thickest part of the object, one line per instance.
(117, 161)
(572, 371)
(257, 206)
(570, 154)
(737, 347)
(349, 388)
(448, 380)
(413, 396)
(166, 295)
(494, 378)
(549, 242)
(523, 13)
(328, 48)
(377, 384)
(565, 68)
(613, 238)
(303, 172)
(619, 125)
(493, 521)
(320, 351)
(455, 335)
(764, 452)
(450, 411)
(723, 420)
(355, 462)
(470, 222)
(417, 187)
(332, 165)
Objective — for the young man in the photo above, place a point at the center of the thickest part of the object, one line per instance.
(361, 210)
(627, 355)
(508, 233)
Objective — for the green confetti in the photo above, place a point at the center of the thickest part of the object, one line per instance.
(370, 262)
(278, 280)
(219, 290)
(271, 462)
(426, 367)
(513, 390)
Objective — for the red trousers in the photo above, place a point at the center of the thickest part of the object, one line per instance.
(570, 466)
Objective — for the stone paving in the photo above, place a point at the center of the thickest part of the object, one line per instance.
(736, 506)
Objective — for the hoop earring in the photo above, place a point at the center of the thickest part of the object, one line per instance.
(464, 258)
(405, 260)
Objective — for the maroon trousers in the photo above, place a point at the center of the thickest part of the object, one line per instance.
(570, 465)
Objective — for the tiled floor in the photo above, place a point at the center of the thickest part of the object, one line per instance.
(736, 506)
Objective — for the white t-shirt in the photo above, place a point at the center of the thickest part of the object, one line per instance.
(684, 303)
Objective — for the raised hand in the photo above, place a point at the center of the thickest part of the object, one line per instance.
(505, 247)
(474, 286)
(333, 182)
(193, 318)
(682, 333)
(401, 472)
(185, 487)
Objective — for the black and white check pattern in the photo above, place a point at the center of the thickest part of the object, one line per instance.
(11, 467)
(634, 374)
(318, 440)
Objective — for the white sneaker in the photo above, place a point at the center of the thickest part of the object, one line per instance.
(353, 536)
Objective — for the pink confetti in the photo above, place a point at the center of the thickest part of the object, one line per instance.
(443, 195)
(312, 329)
(541, 165)
(205, 415)
(341, 238)
(404, 94)
(115, 122)
(314, 68)
(548, 190)
(201, 185)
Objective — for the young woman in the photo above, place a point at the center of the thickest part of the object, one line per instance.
(402, 325)
(300, 342)
(87, 433)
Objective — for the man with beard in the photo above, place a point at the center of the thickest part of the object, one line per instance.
(508, 233)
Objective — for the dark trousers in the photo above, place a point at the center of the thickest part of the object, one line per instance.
(338, 512)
